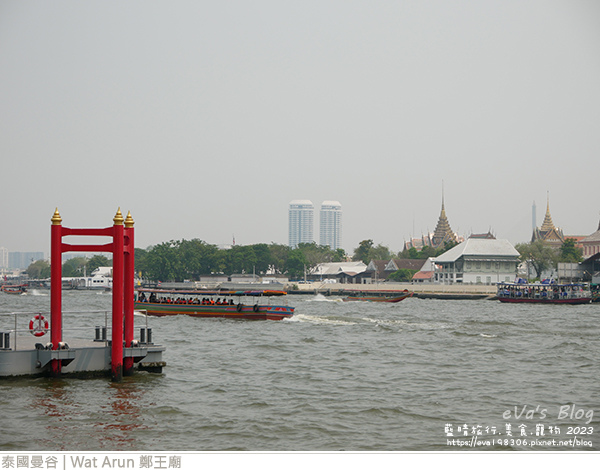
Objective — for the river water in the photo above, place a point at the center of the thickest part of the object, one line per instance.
(420, 375)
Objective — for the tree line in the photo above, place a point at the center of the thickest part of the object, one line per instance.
(179, 260)
(75, 267)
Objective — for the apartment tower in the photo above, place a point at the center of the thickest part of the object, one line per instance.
(301, 216)
(330, 228)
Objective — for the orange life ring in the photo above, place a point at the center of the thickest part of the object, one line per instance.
(38, 326)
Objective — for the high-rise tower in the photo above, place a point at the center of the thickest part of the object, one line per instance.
(301, 217)
(330, 228)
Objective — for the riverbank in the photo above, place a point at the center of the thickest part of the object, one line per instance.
(422, 291)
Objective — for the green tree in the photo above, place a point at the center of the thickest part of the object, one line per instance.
(162, 262)
(411, 253)
(315, 254)
(366, 252)
(402, 275)
(196, 258)
(241, 259)
(569, 253)
(295, 264)
(447, 246)
(140, 261)
(74, 267)
(263, 257)
(363, 251)
(339, 255)
(278, 254)
(39, 269)
(380, 252)
(427, 251)
(539, 254)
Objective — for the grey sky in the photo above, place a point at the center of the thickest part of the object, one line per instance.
(205, 119)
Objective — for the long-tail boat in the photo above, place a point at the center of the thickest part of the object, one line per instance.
(235, 304)
(14, 288)
(391, 297)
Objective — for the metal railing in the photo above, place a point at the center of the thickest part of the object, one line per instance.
(39, 326)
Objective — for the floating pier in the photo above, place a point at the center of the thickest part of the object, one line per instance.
(121, 353)
(86, 352)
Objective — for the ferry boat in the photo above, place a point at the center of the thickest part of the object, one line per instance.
(548, 293)
(595, 288)
(235, 304)
(380, 298)
(14, 288)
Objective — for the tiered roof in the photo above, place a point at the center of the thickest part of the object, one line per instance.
(548, 232)
(443, 233)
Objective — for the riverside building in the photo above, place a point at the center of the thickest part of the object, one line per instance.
(301, 217)
(330, 227)
(477, 261)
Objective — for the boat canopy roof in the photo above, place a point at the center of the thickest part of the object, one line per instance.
(262, 292)
(542, 284)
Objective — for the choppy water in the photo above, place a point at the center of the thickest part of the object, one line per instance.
(339, 376)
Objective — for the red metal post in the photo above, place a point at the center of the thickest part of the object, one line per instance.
(56, 288)
(117, 306)
(128, 291)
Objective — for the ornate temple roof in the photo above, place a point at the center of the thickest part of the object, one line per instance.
(548, 232)
(443, 232)
(547, 225)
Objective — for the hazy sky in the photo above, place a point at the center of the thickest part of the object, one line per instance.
(205, 119)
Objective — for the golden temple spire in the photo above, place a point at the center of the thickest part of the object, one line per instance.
(547, 225)
(443, 209)
(443, 232)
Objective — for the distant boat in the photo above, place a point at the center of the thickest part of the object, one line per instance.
(595, 288)
(545, 293)
(236, 304)
(14, 288)
(380, 298)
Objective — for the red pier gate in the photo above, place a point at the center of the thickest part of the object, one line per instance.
(122, 249)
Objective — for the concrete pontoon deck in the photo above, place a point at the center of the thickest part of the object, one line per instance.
(23, 354)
